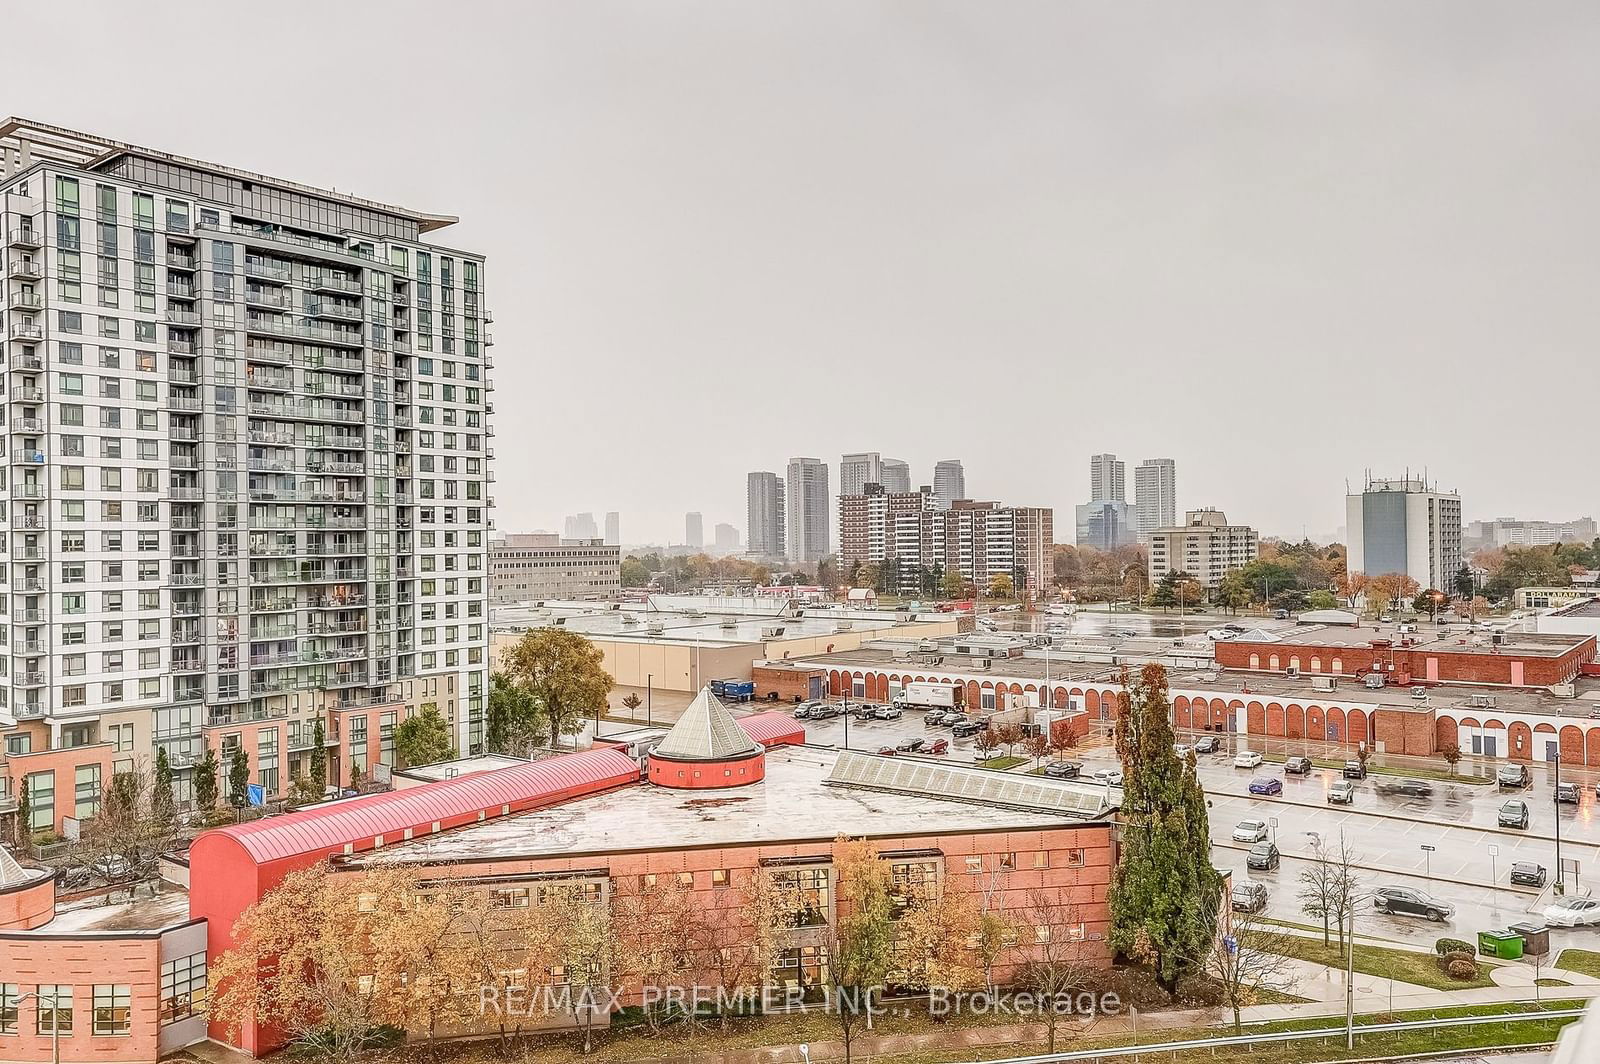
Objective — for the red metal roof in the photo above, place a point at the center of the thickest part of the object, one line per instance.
(357, 821)
(773, 729)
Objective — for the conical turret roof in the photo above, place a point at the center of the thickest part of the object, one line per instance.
(14, 875)
(706, 732)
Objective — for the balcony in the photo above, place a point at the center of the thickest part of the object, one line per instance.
(27, 330)
(181, 347)
(26, 361)
(27, 521)
(27, 457)
(178, 316)
(28, 554)
(334, 310)
(268, 270)
(26, 269)
(27, 301)
(29, 584)
(261, 297)
(32, 646)
(30, 616)
(177, 260)
(181, 376)
(333, 282)
(186, 403)
(30, 679)
(27, 491)
(26, 237)
(180, 289)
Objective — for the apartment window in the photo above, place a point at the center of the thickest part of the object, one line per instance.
(55, 1009)
(719, 877)
(106, 196)
(1075, 858)
(10, 1006)
(112, 1010)
(86, 791)
(183, 988)
(685, 879)
(69, 321)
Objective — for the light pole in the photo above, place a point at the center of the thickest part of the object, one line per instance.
(1494, 870)
(55, 1022)
(1561, 885)
(1427, 861)
(1350, 983)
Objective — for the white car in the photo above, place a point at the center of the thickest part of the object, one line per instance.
(1216, 635)
(1573, 911)
(1250, 831)
(1247, 759)
(1112, 776)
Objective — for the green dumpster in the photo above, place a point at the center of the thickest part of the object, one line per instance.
(1502, 945)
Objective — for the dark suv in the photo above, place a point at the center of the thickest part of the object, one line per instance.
(1404, 901)
(1298, 766)
(1355, 770)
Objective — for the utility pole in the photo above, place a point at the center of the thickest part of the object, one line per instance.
(1350, 984)
(1561, 886)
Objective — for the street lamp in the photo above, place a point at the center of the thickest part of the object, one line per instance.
(1427, 861)
(1433, 606)
(55, 1021)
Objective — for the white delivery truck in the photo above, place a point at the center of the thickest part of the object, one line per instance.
(929, 696)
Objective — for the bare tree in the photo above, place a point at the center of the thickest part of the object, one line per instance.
(1330, 885)
(1054, 970)
(1250, 963)
(127, 831)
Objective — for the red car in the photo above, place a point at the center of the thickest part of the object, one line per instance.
(887, 751)
(938, 746)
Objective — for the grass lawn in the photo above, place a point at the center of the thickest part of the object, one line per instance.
(1582, 961)
(1552, 982)
(1387, 963)
(1443, 774)
(1002, 762)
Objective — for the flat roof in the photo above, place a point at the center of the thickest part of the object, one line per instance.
(707, 630)
(1453, 639)
(161, 906)
(461, 766)
(1589, 607)
(792, 804)
(1205, 675)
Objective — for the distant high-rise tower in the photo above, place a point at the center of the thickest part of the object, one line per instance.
(764, 515)
(581, 526)
(856, 471)
(1155, 495)
(896, 476)
(694, 536)
(613, 528)
(1404, 526)
(809, 516)
(726, 538)
(1106, 479)
(949, 482)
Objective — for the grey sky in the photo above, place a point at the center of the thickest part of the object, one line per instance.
(1278, 242)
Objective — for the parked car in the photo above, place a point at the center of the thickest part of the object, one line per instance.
(1250, 831)
(826, 711)
(1573, 911)
(1514, 814)
(1280, 615)
(937, 747)
(885, 751)
(73, 876)
(1386, 618)
(933, 718)
(888, 713)
(1248, 897)
(1343, 792)
(806, 710)
(1513, 776)
(112, 868)
(1064, 770)
(1112, 776)
(1528, 874)
(1567, 792)
(1263, 857)
(1269, 786)
(1355, 769)
(909, 746)
(1407, 787)
(1182, 751)
(1207, 744)
(966, 728)
(1247, 759)
(1300, 766)
(1404, 901)
(954, 718)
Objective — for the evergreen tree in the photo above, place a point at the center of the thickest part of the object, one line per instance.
(424, 738)
(205, 782)
(239, 778)
(161, 801)
(1165, 893)
(319, 756)
(24, 826)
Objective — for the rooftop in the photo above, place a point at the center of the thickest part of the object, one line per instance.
(792, 804)
(693, 625)
(458, 767)
(1589, 607)
(148, 906)
(1453, 639)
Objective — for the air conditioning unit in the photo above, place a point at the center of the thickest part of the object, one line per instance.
(1292, 671)
(1324, 683)
(1564, 690)
(1374, 680)
(981, 664)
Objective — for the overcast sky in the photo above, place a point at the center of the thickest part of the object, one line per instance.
(1281, 243)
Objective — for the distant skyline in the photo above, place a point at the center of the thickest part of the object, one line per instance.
(1280, 243)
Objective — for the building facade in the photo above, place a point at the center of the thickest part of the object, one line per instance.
(807, 525)
(878, 524)
(858, 470)
(1105, 525)
(580, 526)
(541, 565)
(613, 529)
(1155, 495)
(694, 533)
(250, 427)
(949, 482)
(765, 502)
(1205, 546)
(896, 475)
(1107, 479)
(726, 538)
(1405, 526)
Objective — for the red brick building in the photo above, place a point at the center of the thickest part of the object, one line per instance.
(1511, 660)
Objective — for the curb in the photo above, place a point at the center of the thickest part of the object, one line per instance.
(1285, 855)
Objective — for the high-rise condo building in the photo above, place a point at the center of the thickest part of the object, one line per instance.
(949, 482)
(580, 526)
(869, 522)
(1405, 526)
(727, 538)
(249, 500)
(856, 471)
(1155, 495)
(613, 529)
(1106, 476)
(694, 536)
(808, 511)
(765, 503)
(896, 476)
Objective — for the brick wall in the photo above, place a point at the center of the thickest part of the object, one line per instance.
(1455, 664)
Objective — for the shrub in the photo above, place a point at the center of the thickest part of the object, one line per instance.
(1452, 945)
(1462, 968)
